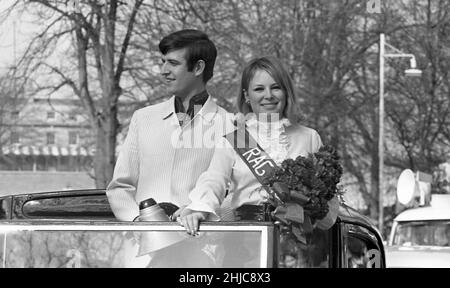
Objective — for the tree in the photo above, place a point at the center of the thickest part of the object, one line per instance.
(419, 111)
(329, 47)
(12, 99)
(100, 33)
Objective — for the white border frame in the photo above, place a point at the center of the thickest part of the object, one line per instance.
(103, 226)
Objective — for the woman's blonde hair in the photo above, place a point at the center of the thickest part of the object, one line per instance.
(278, 72)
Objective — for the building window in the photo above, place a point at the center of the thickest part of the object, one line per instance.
(50, 138)
(51, 115)
(15, 115)
(73, 138)
(15, 138)
(73, 116)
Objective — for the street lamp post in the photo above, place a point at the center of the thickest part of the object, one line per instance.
(413, 71)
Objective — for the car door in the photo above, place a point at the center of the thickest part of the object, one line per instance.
(105, 244)
(361, 247)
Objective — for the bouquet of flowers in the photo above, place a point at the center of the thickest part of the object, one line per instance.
(307, 184)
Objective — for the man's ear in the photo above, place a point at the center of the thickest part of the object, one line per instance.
(199, 67)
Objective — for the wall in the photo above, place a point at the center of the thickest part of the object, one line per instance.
(18, 182)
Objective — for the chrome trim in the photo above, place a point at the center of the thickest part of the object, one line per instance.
(264, 247)
(4, 250)
(145, 226)
(102, 226)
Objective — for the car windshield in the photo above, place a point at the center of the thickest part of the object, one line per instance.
(423, 233)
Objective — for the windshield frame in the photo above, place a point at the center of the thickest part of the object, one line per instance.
(430, 239)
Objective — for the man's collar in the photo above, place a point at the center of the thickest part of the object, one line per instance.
(207, 112)
(199, 99)
(169, 108)
(196, 100)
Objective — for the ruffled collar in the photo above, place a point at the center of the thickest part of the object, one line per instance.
(273, 125)
(271, 136)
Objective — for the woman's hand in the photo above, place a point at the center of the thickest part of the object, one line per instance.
(190, 220)
(177, 213)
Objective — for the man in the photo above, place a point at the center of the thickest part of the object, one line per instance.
(170, 144)
(162, 157)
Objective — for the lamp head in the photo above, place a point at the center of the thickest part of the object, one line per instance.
(413, 71)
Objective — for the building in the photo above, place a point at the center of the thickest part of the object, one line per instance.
(49, 137)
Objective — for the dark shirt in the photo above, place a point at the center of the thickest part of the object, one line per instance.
(196, 100)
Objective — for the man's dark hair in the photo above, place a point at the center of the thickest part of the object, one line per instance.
(198, 47)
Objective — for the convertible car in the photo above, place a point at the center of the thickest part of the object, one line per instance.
(78, 229)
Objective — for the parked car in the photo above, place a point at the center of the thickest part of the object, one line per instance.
(420, 237)
(78, 229)
(420, 234)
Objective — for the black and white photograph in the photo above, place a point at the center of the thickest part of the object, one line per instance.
(224, 134)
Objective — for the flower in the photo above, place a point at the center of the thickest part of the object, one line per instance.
(306, 181)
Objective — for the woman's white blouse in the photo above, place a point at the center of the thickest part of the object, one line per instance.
(280, 140)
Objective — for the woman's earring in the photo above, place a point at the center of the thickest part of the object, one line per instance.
(246, 99)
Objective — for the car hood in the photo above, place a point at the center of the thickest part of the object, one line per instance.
(417, 256)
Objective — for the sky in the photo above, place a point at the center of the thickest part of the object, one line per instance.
(23, 30)
(16, 32)
(19, 29)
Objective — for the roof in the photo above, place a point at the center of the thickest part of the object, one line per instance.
(438, 210)
(46, 150)
(21, 182)
(422, 214)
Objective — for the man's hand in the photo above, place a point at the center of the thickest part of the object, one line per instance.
(190, 220)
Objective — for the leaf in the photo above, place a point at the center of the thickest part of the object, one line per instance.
(279, 214)
(290, 212)
(282, 190)
(299, 197)
(307, 225)
(298, 234)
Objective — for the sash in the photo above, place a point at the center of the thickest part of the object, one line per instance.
(257, 160)
(261, 165)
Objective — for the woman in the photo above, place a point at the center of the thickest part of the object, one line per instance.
(268, 102)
